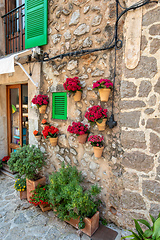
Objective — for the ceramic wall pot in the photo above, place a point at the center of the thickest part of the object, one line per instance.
(23, 195)
(77, 96)
(53, 141)
(38, 138)
(102, 126)
(31, 185)
(42, 109)
(104, 94)
(82, 138)
(98, 151)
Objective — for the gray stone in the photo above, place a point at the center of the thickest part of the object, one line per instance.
(154, 143)
(66, 12)
(154, 210)
(154, 46)
(132, 104)
(58, 13)
(96, 9)
(60, 157)
(92, 176)
(147, 68)
(154, 30)
(158, 173)
(75, 160)
(87, 42)
(75, 18)
(152, 100)
(94, 166)
(67, 35)
(132, 200)
(131, 181)
(130, 119)
(151, 190)
(133, 139)
(79, 2)
(154, 124)
(81, 30)
(68, 159)
(157, 86)
(97, 73)
(151, 17)
(20, 219)
(56, 38)
(96, 31)
(86, 9)
(144, 89)
(138, 160)
(149, 111)
(144, 42)
(97, 20)
(128, 89)
(62, 140)
(73, 151)
(112, 10)
(72, 65)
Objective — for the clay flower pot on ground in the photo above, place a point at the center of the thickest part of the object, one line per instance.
(80, 130)
(41, 101)
(37, 135)
(97, 143)
(73, 86)
(5, 165)
(32, 185)
(104, 86)
(44, 123)
(20, 186)
(52, 133)
(98, 115)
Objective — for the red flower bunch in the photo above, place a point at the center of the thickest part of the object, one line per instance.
(40, 100)
(103, 83)
(96, 140)
(36, 133)
(96, 114)
(50, 132)
(78, 128)
(40, 195)
(72, 85)
(5, 159)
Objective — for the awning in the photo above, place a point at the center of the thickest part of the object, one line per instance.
(7, 65)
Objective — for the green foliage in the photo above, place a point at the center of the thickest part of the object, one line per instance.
(153, 232)
(27, 161)
(69, 198)
(0, 164)
(20, 184)
(103, 221)
(40, 195)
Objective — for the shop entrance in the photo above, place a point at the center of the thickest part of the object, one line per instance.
(17, 116)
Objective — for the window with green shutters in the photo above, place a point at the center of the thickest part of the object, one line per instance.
(36, 12)
(59, 105)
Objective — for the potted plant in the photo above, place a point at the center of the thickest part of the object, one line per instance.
(97, 143)
(44, 123)
(41, 101)
(20, 186)
(37, 135)
(40, 197)
(98, 115)
(52, 133)
(71, 202)
(104, 86)
(28, 162)
(80, 130)
(72, 85)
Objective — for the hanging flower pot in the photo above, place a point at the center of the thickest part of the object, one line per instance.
(98, 151)
(41, 101)
(80, 130)
(82, 138)
(96, 114)
(104, 94)
(42, 109)
(37, 135)
(44, 123)
(38, 138)
(53, 141)
(77, 96)
(102, 125)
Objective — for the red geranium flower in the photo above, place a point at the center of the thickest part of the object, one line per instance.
(72, 85)
(78, 128)
(96, 113)
(40, 100)
(50, 132)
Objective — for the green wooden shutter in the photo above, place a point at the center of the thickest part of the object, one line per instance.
(59, 105)
(36, 18)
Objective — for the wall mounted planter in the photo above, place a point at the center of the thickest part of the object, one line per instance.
(104, 94)
(98, 151)
(31, 185)
(77, 96)
(102, 126)
(38, 138)
(53, 141)
(42, 109)
(82, 138)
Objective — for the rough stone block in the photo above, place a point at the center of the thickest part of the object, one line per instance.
(157, 86)
(151, 190)
(154, 124)
(158, 173)
(151, 17)
(154, 46)
(132, 200)
(154, 210)
(128, 89)
(132, 104)
(144, 89)
(133, 139)
(154, 30)
(154, 143)
(131, 181)
(130, 119)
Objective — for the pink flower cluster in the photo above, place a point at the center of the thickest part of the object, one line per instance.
(96, 140)
(50, 132)
(40, 100)
(96, 112)
(72, 85)
(103, 83)
(78, 128)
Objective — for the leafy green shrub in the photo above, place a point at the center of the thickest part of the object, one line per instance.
(153, 232)
(40, 195)
(20, 184)
(0, 164)
(27, 161)
(69, 198)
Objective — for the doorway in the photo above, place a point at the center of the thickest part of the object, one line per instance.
(17, 116)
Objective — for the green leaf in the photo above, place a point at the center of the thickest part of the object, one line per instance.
(138, 228)
(152, 218)
(156, 228)
(99, 120)
(144, 222)
(148, 233)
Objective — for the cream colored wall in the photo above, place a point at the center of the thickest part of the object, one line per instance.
(3, 122)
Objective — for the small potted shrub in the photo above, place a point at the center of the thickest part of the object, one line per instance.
(37, 135)
(97, 143)
(72, 85)
(71, 202)
(104, 86)
(44, 123)
(20, 186)
(40, 197)
(52, 133)
(80, 130)
(28, 162)
(98, 115)
(41, 101)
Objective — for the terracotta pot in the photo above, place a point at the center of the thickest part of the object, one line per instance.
(91, 224)
(102, 126)
(31, 185)
(53, 141)
(45, 207)
(104, 94)
(42, 109)
(23, 195)
(77, 96)
(82, 138)
(98, 151)
(38, 138)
